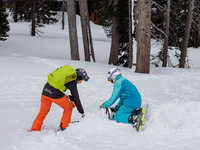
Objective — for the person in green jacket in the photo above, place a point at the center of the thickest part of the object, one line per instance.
(58, 82)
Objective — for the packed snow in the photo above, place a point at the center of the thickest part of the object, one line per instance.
(171, 96)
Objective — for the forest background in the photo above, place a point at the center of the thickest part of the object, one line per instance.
(175, 24)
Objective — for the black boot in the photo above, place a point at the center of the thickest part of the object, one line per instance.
(133, 119)
(138, 120)
(62, 129)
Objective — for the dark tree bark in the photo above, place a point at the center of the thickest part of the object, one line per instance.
(144, 36)
(71, 9)
(135, 17)
(130, 63)
(33, 19)
(186, 35)
(86, 31)
(165, 47)
(63, 15)
(115, 38)
(198, 35)
(14, 11)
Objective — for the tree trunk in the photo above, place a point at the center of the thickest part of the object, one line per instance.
(21, 15)
(115, 38)
(48, 14)
(71, 9)
(33, 19)
(198, 35)
(86, 31)
(130, 63)
(135, 17)
(144, 36)
(63, 15)
(165, 54)
(15, 10)
(186, 35)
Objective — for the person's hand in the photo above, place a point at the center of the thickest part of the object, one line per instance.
(72, 104)
(83, 115)
(102, 106)
(117, 107)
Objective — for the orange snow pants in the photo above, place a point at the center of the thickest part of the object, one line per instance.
(45, 107)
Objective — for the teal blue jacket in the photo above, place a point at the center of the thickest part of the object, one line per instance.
(127, 92)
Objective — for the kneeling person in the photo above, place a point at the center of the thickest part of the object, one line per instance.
(130, 99)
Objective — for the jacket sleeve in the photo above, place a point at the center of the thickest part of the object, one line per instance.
(119, 104)
(72, 86)
(117, 90)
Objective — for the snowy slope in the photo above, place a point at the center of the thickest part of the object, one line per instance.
(172, 96)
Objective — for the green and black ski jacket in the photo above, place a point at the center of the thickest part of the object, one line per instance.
(51, 92)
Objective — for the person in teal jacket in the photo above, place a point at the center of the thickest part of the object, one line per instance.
(129, 97)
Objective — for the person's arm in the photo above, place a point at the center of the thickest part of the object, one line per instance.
(72, 86)
(117, 90)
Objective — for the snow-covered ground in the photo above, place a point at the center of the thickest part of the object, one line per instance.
(171, 96)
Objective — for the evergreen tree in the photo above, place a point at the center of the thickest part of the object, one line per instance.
(4, 24)
(123, 30)
(182, 61)
(114, 50)
(38, 12)
(17, 9)
(178, 15)
(194, 40)
(106, 13)
(165, 46)
(46, 11)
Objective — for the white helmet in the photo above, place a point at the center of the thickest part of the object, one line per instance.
(113, 73)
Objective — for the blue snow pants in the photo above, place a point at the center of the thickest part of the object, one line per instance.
(123, 114)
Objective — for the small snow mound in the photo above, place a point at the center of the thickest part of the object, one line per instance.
(93, 123)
